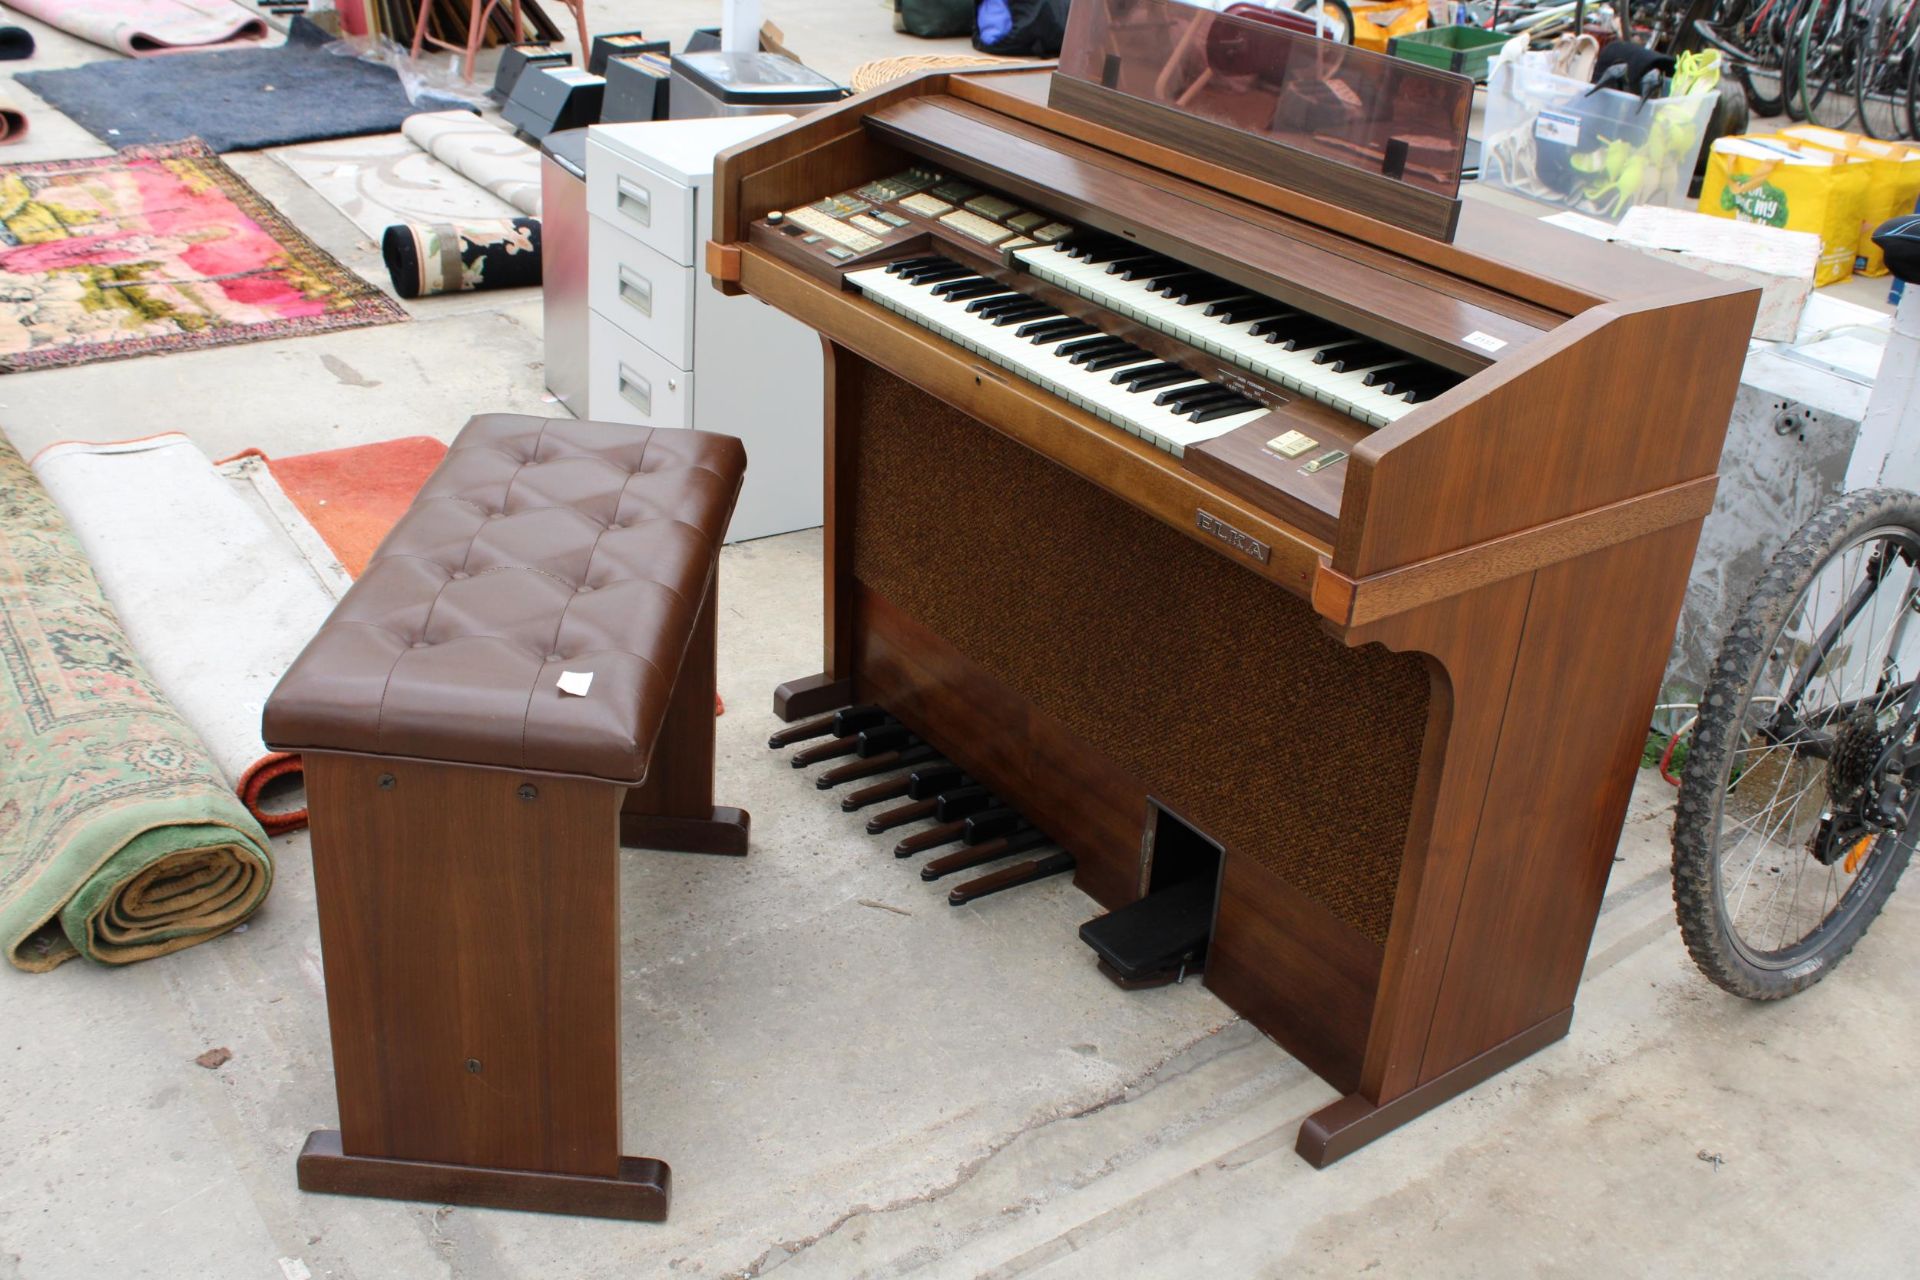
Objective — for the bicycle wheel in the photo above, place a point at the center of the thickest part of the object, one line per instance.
(1795, 806)
(1913, 93)
(1759, 67)
(1827, 57)
(1879, 88)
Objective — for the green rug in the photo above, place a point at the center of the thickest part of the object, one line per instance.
(119, 839)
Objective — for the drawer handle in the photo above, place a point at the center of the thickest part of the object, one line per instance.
(636, 291)
(633, 200)
(636, 390)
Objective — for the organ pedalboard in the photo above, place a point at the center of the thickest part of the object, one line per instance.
(1159, 939)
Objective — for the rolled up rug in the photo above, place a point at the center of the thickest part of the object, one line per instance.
(15, 43)
(119, 839)
(445, 257)
(142, 28)
(481, 152)
(175, 548)
(13, 121)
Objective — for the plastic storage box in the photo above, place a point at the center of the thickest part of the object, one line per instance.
(717, 83)
(1601, 152)
(1463, 50)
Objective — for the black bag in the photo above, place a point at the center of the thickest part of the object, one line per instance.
(933, 19)
(1020, 28)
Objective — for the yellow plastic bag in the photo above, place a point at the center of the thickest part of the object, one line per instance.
(1893, 172)
(1771, 180)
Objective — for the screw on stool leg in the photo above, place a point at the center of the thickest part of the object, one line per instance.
(387, 782)
(528, 791)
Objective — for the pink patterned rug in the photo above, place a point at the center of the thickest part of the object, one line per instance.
(157, 249)
(142, 28)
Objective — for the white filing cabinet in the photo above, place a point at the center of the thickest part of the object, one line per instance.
(665, 348)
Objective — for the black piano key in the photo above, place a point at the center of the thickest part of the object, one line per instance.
(1419, 378)
(1224, 409)
(1074, 348)
(901, 266)
(1052, 330)
(934, 275)
(1198, 291)
(1099, 248)
(1313, 332)
(1275, 327)
(1166, 376)
(1241, 310)
(1111, 346)
(1360, 353)
(1147, 370)
(1219, 395)
(1365, 361)
(1180, 399)
(969, 286)
(968, 292)
(1167, 281)
(1426, 391)
(1386, 373)
(988, 308)
(993, 302)
(1141, 268)
(1099, 364)
(1137, 258)
(913, 266)
(1031, 312)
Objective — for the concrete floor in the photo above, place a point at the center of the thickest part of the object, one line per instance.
(851, 1078)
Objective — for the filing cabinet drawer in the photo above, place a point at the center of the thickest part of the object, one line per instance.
(648, 295)
(649, 206)
(630, 382)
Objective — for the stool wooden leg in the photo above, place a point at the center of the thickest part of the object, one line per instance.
(470, 932)
(674, 809)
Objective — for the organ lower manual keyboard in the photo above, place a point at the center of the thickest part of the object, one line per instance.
(1297, 549)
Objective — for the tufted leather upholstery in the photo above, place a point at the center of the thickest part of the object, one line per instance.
(538, 546)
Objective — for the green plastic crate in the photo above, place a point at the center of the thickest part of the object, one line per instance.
(1465, 50)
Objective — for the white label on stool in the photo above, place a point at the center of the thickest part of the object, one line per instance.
(576, 682)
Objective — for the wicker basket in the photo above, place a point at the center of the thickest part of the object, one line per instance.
(870, 75)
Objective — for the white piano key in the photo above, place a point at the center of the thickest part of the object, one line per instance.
(1346, 392)
(1093, 390)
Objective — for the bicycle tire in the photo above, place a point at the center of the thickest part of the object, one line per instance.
(1756, 32)
(1698, 900)
(1827, 50)
(1913, 94)
(1874, 78)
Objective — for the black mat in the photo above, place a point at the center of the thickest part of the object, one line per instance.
(237, 100)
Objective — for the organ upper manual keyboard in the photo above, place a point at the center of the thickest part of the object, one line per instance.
(1234, 525)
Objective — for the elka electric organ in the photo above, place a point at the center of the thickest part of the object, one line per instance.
(1287, 547)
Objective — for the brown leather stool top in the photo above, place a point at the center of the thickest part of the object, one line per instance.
(538, 547)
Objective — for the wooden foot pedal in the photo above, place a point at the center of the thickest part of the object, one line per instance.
(932, 838)
(639, 1192)
(979, 855)
(901, 816)
(1010, 878)
(804, 732)
(916, 754)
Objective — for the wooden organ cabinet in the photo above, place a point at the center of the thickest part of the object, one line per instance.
(1399, 678)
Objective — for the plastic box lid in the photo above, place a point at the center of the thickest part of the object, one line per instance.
(754, 79)
(682, 149)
